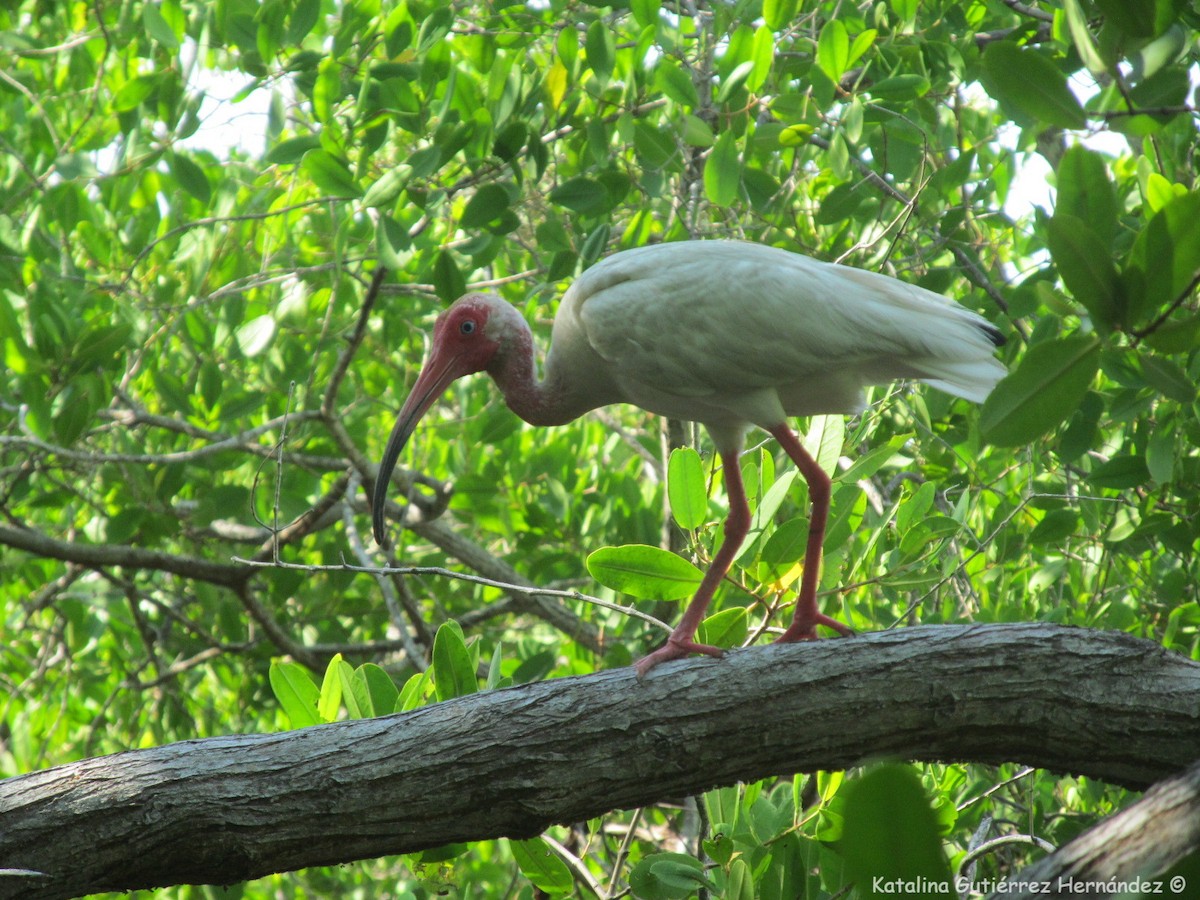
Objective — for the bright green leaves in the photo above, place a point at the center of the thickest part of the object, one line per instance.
(369, 691)
(1044, 390)
(833, 49)
(687, 488)
(779, 13)
(453, 669)
(1030, 86)
(722, 171)
(836, 53)
(364, 692)
(644, 571)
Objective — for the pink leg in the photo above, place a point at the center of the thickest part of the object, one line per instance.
(808, 617)
(681, 643)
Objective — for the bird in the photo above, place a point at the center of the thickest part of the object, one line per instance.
(730, 334)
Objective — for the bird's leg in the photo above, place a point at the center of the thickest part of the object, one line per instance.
(737, 524)
(808, 617)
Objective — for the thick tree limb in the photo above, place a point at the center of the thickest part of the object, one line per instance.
(1128, 848)
(512, 762)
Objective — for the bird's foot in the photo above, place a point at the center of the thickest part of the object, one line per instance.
(674, 648)
(804, 628)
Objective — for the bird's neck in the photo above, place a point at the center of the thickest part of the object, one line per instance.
(537, 401)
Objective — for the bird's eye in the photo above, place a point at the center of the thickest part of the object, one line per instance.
(467, 326)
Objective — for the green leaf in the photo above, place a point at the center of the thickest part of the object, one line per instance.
(1056, 526)
(644, 571)
(158, 29)
(668, 876)
(728, 628)
(833, 49)
(388, 187)
(330, 174)
(133, 92)
(255, 336)
(487, 205)
(448, 281)
(1086, 192)
(1030, 85)
(722, 171)
(330, 701)
(861, 44)
(672, 80)
(696, 132)
(779, 13)
(392, 242)
(1081, 36)
(1120, 473)
(645, 12)
(1136, 18)
(581, 195)
(1085, 264)
(100, 346)
(906, 86)
(1043, 391)
(190, 177)
(687, 488)
(434, 28)
(291, 151)
(1165, 259)
(1168, 378)
(297, 694)
(891, 834)
(600, 49)
(378, 687)
(453, 672)
(541, 866)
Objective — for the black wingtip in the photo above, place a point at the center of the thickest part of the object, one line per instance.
(993, 334)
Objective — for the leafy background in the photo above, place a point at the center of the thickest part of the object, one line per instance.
(187, 367)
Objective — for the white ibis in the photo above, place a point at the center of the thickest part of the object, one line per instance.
(725, 333)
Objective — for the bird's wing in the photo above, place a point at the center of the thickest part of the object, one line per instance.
(701, 318)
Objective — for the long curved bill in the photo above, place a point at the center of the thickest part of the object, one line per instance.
(439, 371)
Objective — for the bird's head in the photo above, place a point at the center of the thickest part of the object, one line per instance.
(467, 338)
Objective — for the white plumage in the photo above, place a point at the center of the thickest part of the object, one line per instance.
(726, 333)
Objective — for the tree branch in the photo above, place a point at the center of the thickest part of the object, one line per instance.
(511, 762)
(97, 555)
(1139, 842)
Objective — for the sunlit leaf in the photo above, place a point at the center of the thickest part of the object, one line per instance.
(296, 692)
(453, 672)
(644, 571)
(833, 49)
(255, 336)
(722, 171)
(686, 488)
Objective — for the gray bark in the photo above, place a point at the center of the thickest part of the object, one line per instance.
(511, 762)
